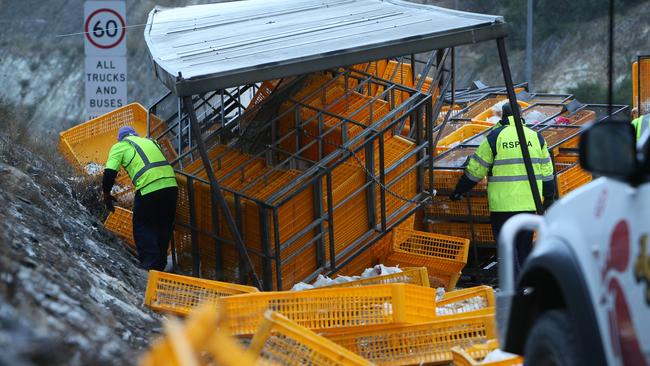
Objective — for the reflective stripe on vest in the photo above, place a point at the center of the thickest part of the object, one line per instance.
(147, 164)
(511, 178)
(521, 161)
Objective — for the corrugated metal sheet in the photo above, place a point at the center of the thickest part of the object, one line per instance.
(226, 44)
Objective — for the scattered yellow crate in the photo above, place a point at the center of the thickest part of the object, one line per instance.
(199, 341)
(413, 344)
(180, 294)
(474, 355)
(456, 302)
(463, 133)
(443, 206)
(414, 276)
(321, 309)
(280, 341)
(488, 112)
(644, 82)
(120, 222)
(444, 256)
(91, 141)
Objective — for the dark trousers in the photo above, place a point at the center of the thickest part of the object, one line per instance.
(523, 241)
(153, 220)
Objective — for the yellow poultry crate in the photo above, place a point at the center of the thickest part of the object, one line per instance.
(322, 309)
(474, 355)
(414, 276)
(180, 294)
(444, 256)
(465, 132)
(280, 341)
(414, 344)
(199, 341)
(120, 222)
(468, 299)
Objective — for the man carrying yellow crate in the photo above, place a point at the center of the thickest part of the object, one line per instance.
(154, 206)
(499, 158)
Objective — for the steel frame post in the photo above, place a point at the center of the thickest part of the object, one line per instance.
(215, 191)
(196, 255)
(265, 236)
(371, 198)
(505, 68)
(319, 229)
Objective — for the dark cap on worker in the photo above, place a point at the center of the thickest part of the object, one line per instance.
(125, 131)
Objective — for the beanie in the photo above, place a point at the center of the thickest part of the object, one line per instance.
(125, 131)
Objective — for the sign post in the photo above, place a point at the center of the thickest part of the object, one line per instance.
(105, 48)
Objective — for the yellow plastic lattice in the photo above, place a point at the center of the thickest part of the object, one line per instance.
(463, 133)
(467, 299)
(414, 276)
(338, 307)
(180, 294)
(644, 82)
(443, 206)
(444, 256)
(474, 355)
(120, 222)
(414, 344)
(489, 112)
(482, 232)
(281, 341)
(199, 341)
(570, 177)
(91, 141)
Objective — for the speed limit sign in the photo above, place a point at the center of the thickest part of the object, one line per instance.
(105, 28)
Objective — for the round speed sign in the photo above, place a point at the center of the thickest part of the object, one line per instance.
(105, 28)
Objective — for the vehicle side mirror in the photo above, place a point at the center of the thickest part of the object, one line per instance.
(608, 148)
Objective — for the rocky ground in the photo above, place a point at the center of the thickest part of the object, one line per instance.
(70, 294)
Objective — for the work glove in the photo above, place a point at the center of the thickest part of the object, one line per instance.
(108, 201)
(456, 196)
(548, 201)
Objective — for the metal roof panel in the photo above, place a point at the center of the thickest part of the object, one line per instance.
(220, 45)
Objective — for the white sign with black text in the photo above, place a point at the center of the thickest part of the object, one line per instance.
(105, 75)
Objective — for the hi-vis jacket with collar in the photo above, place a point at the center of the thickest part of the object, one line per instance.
(145, 163)
(499, 158)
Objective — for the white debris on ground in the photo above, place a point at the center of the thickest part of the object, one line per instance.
(494, 120)
(94, 169)
(496, 108)
(440, 293)
(322, 281)
(117, 189)
(462, 306)
(498, 355)
(534, 117)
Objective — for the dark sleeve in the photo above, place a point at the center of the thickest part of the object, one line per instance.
(108, 180)
(464, 185)
(548, 188)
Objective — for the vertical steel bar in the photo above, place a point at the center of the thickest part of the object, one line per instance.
(319, 229)
(218, 263)
(276, 240)
(428, 121)
(371, 196)
(382, 180)
(196, 256)
(216, 188)
(505, 67)
(330, 220)
(243, 265)
(265, 237)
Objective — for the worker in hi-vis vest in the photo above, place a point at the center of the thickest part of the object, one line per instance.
(154, 205)
(499, 158)
(641, 124)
